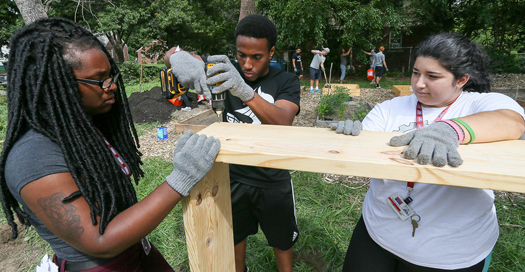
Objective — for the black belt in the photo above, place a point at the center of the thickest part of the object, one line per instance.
(79, 266)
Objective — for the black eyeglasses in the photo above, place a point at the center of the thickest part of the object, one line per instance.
(103, 84)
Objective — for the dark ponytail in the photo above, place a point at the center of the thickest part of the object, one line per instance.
(461, 57)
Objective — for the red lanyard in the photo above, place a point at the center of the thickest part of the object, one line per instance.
(123, 166)
(419, 122)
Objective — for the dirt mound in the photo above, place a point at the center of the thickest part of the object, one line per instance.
(150, 106)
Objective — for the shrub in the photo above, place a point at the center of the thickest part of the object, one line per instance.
(131, 73)
(503, 62)
(332, 102)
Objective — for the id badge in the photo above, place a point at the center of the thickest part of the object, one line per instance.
(146, 245)
(400, 207)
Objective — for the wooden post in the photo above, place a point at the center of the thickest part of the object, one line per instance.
(208, 224)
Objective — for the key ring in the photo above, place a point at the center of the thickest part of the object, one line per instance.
(418, 217)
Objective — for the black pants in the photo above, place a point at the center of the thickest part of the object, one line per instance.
(364, 254)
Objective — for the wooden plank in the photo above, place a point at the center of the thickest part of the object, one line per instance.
(181, 128)
(208, 222)
(191, 119)
(497, 166)
(401, 90)
(352, 89)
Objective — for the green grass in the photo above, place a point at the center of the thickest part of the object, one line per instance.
(141, 88)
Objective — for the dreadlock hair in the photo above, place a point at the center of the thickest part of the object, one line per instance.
(43, 95)
(461, 57)
(257, 26)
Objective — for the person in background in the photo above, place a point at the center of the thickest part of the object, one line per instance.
(71, 152)
(446, 227)
(186, 102)
(381, 67)
(297, 64)
(372, 55)
(343, 63)
(256, 93)
(316, 66)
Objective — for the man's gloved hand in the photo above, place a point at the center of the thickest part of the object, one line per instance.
(192, 159)
(189, 71)
(230, 77)
(438, 142)
(347, 127)
(322, 69)
(295, 70)
(386, 69)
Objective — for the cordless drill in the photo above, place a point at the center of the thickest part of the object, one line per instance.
(217, 100)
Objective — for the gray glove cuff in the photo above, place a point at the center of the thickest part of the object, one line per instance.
(246, 94)
(180, 182)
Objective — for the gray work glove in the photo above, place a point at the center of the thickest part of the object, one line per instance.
(189, 71)
(230, 77)
(386, 69)
(322, 69)
(295, 70)
(192, 159)
(438, 142)
(347, 127)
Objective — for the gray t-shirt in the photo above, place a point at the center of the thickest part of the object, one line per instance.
(343, 60)
(317, 60)
(380, 57)
(32, 157)
(372, 57)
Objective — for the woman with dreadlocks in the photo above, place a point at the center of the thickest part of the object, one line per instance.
(71, 150)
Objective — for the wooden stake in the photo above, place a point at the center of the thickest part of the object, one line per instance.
(208, 223)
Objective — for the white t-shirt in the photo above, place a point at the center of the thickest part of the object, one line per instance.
(458, 226)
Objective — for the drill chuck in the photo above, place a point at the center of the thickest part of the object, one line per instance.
(217, 100)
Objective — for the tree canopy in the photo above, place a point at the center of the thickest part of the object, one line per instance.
(207, 26)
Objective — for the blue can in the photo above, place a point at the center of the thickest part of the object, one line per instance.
(162, 133)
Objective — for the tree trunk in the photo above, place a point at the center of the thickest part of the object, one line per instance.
(247, 7)
(118, 46)
(31, 10)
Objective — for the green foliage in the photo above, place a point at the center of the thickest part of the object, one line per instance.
(361, 113)
(130, 72)
(341, 111)
(503, 62)
(10, 20)
(498, 24)
(333, 23)
(332, 102)
(196, 25)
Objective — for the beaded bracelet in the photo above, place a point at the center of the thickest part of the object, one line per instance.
(469, 129)
(459, 131)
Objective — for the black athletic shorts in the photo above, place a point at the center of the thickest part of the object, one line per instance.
(272, 208)
(364, 254)
(299, 71)
(380, 71)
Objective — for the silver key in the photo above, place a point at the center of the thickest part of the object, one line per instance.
(414, 227)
